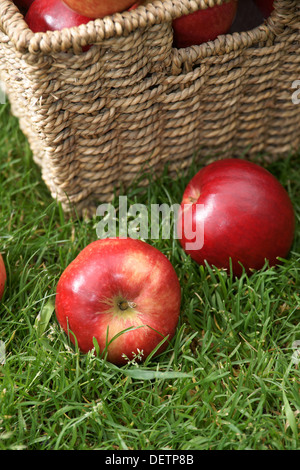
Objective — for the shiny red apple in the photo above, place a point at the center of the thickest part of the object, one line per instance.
(115, 284)
(99, 8)
(204, 25)
(245, 213)
(52, 15)
(2, 277)
(265, 6)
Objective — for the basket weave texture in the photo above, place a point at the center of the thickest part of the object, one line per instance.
(94, 119)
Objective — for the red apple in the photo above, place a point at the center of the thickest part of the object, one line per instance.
(2, 277)
(204, 25)
(115, 284)
(51, 15)
(246, 213)
(265, 6)
(99, 8)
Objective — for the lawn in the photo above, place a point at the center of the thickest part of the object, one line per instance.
(229, 379)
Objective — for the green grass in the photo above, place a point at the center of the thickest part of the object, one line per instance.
(227, 381)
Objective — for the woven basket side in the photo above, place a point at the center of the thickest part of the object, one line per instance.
(95, 115)
(282, 138)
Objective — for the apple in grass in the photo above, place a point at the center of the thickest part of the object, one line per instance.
(115, 284)
(99, 8)
(204, 25)
(2, 277)
(265, 6)
(245, 213)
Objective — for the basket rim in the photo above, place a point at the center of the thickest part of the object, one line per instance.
(13, 24)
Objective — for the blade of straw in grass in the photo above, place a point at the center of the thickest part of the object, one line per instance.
(146, 374)
(43, 318)
(291, 420)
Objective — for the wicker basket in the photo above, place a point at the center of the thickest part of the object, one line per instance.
(94, 119)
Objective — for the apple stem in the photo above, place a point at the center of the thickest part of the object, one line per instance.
(124, 305)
